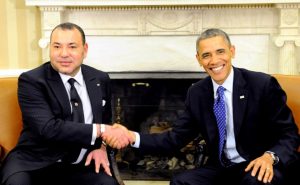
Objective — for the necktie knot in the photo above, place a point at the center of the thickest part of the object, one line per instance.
(220, 93)
(73, 92)
(71, 81)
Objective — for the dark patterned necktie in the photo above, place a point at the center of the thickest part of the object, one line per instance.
(77, 110)
(77, 116)
(220, 113)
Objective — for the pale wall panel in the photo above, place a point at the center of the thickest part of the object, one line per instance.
(20, 31)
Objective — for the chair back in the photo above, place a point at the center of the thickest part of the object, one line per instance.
(10, 114)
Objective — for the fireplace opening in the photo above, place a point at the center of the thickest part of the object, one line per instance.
(150, 106)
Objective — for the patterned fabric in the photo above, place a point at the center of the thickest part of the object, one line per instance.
(77, 110)
(220, 113)
(77, 116)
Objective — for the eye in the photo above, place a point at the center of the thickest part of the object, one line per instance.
(205, 55)
(221, 51)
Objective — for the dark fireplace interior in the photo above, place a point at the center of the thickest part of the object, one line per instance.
(150, 106)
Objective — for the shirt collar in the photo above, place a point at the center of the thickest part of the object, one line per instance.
(78, 77)
(228, 83)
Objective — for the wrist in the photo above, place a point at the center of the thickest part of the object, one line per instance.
(274, 157)
(100, 130)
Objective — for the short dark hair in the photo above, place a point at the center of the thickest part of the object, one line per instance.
(70, 26)
(212, 32)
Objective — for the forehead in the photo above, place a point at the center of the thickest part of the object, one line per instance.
(213, 43)
(66, 36)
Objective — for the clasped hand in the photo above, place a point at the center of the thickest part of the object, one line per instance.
(117, 136)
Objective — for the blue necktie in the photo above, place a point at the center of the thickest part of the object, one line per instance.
(220, 113)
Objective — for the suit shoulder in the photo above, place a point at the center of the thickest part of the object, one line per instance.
(203, 84)
(37, 72)
(254, 76)
(95, 71)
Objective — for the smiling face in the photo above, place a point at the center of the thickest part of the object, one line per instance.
(67, 50)
(215, 55)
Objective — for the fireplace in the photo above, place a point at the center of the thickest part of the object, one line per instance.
(148, 47)
(151, 106)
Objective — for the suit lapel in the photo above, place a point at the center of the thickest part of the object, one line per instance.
(207, 103)
(59, 90)
(240, 98)
(93, 85)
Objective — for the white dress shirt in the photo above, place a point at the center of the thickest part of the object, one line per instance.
(86, 104)
(230, 145)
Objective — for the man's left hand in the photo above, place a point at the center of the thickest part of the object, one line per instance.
(100, 158)
(263, 167)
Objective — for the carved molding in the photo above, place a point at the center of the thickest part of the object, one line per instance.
(285, 6)
(281, 40)
(52, 8)
(150, 2)
(165, 7)
(169, 29)
(289, 18)
(169, 20)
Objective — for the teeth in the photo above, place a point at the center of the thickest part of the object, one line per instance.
(217, 68)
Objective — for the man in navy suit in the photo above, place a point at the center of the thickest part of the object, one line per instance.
(50, 137)
(261, 136)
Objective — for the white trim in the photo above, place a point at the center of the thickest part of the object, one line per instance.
(11, 72)
(148, 2)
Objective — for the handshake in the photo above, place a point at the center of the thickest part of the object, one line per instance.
(116, 135)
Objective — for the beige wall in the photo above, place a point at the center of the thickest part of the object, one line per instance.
(20, 31)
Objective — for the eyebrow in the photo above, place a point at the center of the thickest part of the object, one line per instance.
(204, 54)
(222, 49)
(72, 43)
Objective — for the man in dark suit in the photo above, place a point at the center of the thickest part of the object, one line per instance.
(259, 137)
(53, 147)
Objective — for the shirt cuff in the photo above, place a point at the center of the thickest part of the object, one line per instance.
(94, 136)
(136, 144)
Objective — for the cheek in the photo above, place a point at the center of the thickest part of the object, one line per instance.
(204, 63)
(77, 54)
(54, 53)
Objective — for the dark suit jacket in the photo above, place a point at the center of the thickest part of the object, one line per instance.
(262, 119)
(48, 134)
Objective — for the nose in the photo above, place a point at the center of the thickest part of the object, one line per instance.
(214, 58)
(64, 52)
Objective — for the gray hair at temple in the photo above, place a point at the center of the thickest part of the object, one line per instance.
(70, 26)
(213, 32)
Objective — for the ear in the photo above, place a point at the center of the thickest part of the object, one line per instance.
(85, 48)
(232, 51)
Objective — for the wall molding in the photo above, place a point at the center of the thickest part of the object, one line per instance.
(124, 34)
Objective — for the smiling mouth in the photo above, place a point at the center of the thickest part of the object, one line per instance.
(217, 69)
(64, 62)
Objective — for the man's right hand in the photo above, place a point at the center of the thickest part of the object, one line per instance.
(117, 136)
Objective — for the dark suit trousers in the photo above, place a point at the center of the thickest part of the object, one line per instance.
(210, 175)
(62, 174)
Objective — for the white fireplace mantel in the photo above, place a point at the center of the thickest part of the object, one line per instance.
(159, 35)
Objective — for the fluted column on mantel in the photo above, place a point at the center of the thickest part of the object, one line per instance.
(55, 12)
(288, 38)
(287, 56)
